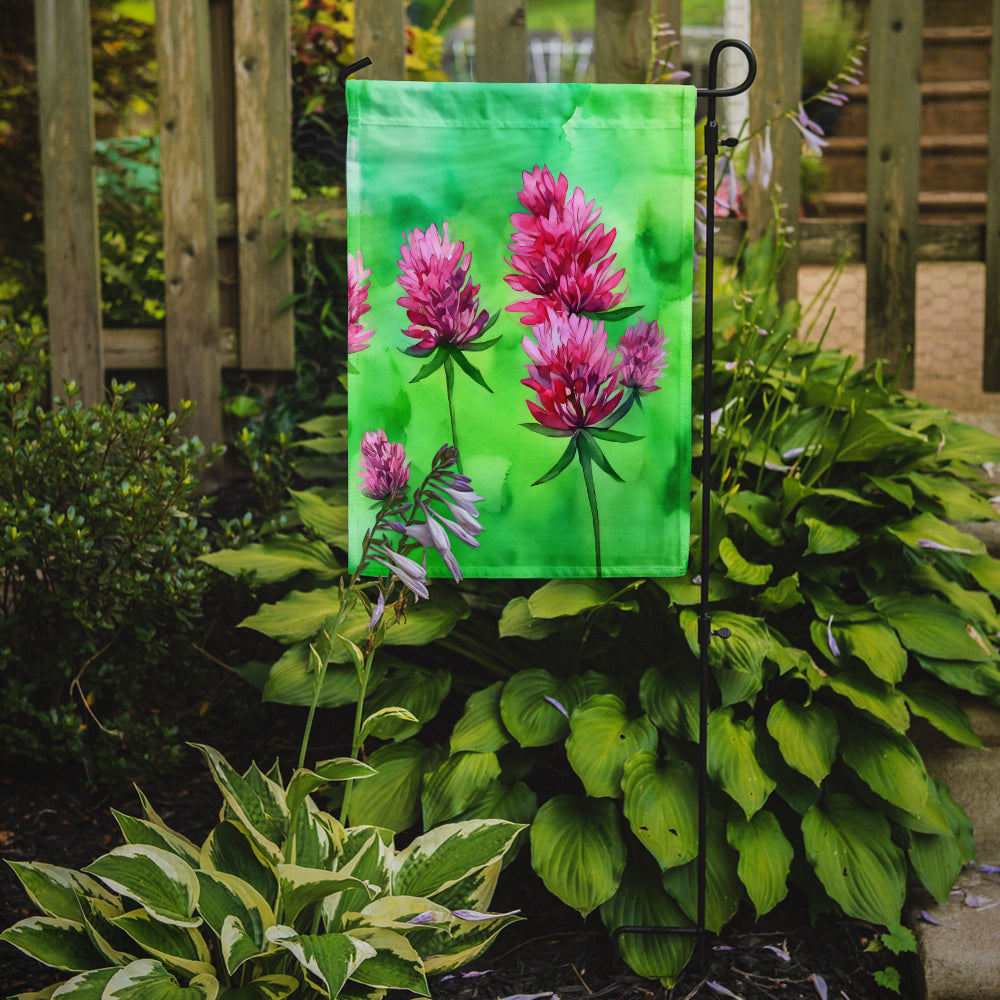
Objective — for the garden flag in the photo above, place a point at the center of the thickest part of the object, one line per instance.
(520, 284)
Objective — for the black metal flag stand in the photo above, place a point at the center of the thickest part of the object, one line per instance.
(705, 630)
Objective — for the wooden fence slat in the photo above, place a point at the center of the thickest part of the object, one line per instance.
(190, 253)
(72, 256)
(262, 61)
(501, 41)
(623, 37)
(893, 184)
(776, 36)
(380, 34)
(991, 331)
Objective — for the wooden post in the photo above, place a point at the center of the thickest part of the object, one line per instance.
(261, 57)
(501, 41)
(380, 34)
(623, 37)
(893, 183)
(991, 333)
(190, 254)
(776, 35)
(72, 256)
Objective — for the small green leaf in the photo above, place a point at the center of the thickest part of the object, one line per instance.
(391, 798)
(559, 598)
(807, 736)
(765, 858)
(732, 760)
(670, 697)
(279, 558)
(330, 958)
(456, 784)
(535, 706)
(888, 763)
(751, 574)
(481, 727)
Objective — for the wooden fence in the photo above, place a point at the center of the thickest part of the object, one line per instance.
(226, 162)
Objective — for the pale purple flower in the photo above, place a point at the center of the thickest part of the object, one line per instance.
(719, 988)
(831, 642)
(431, 534)
(728, 196)
(812, 134)
(573, 372)
(427, 917)
(377, 611)
(357, 303)
(557, 704)
(760, 164)
(928, 543)
(819, 983)
(559, 252)
(644, 354)
(476, 915)
(383, 466)
(408, 571)
(440, 302)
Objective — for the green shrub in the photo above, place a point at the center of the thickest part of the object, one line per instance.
(99, 539)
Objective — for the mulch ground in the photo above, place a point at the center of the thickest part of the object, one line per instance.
(550, 953)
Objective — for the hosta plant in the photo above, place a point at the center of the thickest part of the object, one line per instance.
(279, 900)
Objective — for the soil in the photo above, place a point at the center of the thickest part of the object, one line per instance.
(551, 952)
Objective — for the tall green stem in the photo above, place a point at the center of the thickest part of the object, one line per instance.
(588, 478)
(320, 670)
(356, 737)
(449, 384)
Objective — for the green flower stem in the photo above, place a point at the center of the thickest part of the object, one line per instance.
(449, 384)
(588, 478)
(356, 737)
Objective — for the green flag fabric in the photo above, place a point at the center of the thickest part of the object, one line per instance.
(520, 284)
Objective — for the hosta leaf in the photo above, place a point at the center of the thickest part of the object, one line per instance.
(181, 948)
(888, 763)
(395, 964)
(876, 646)
(530, 706)
(280, 557)
(807, 736)
(976, 678)
(141, 831)
(304, 782)
(418, 690)
(661, 799)
(291, 680)
(230, 849)
(976, 605)
(732, 760)
(937, 860)
(738, 661)
(827, 539)
(932, 628)
(850, 848)
(683, 591)
(965, 443)
(957, 501)
(765, 858)
(516, 803)
(517, 620)
(866, 692)
(740, 570)
(327, 520)
(641, 901)
(577, 850)
(441, 857)
(147, 979)
(391, 798)
(465, 941)
(601, 739)
(54, 941)
(928, 528)
(760, 512)
(986, 571)
(870, 435)
(98, 915)
(163, 884)
(456, 784)
(86, 986)
(301, 887)
(941, 709)
(783, 595)
(56, 891)
(671, 699)
(366, 855)
(481, 728)
(330, 959)
(273, 987)
(558, 598)
(723, 889)
(225, 897)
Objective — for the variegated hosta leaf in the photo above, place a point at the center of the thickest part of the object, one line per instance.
(54, 941)
(456, 784)
(661, 800)
(723, 889)
(888, 763)
(416, 689)
(475, 891)
(230, 849)
(732, 760)
(441, 857)
(141, 831)
(86, 986)
(258, 803)
(602, 737)
(807, 736)
(56, 891)
(642, 902)
(391, 799)
(273, 987)
(300, 887)
(98, 915)
(159, 881)
(481, 726)
(765, 858)
(315, 838)
(395, 964)
(467, 940)
(329, 959)
(578, 851)
(304, 782)
(367, 854)
(225, 897)
(177, 947)
(147, 979)
(850, 847)
(535, 706)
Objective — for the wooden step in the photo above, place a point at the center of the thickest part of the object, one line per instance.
(958, 206)
(940, 13)
(956, 53)
(947, 162)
